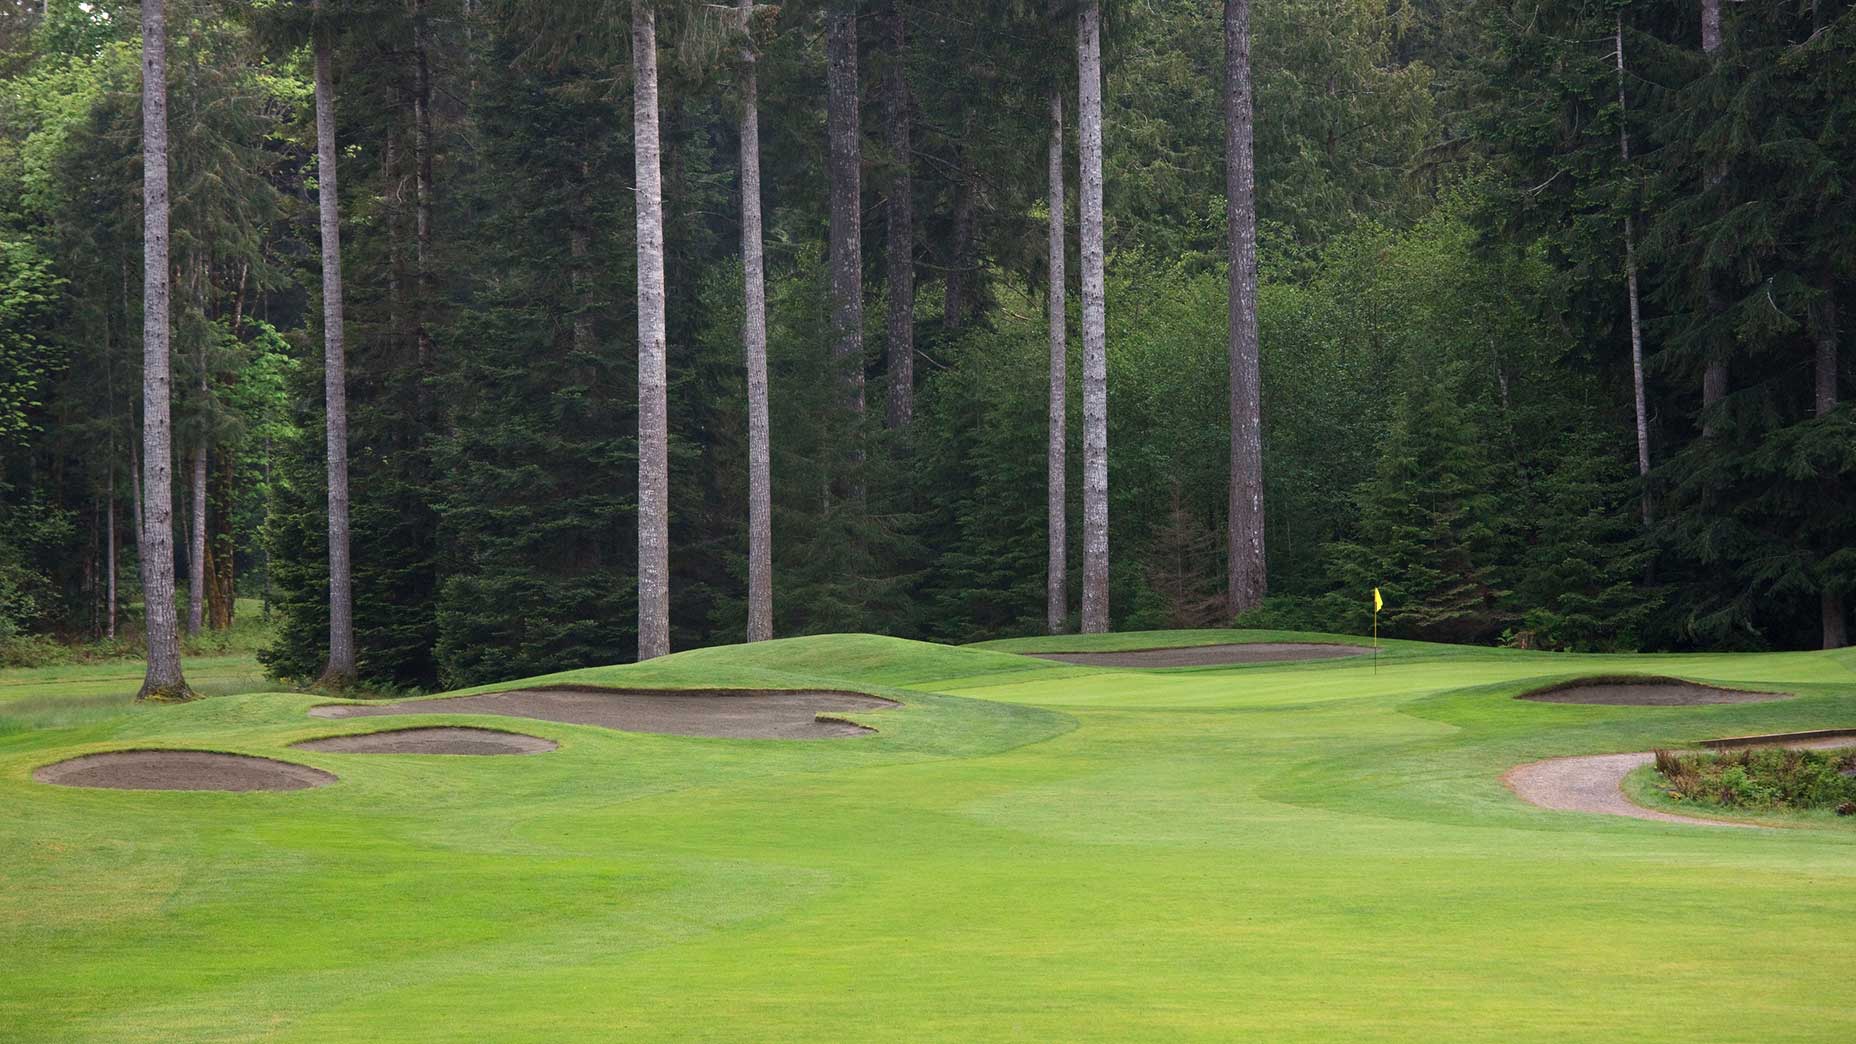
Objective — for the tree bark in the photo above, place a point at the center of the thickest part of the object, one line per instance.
(1714, 377)
(221, 546)
(754, 347)
(653, 408)
(1824, 400)
(957, 288)
(164, 680)
(341, 666)
(1095, 324)
(1056, 571)
(422, 179)
(900, 249)
(1636, 313)
(1248, 578)
(196, 544)
(845, 177)
(109, 556)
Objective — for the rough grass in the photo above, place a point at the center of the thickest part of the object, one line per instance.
(1024, 851)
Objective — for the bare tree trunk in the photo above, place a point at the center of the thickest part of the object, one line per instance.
(1630, 285)
(900, 250)
(1714, 377)
(845, 176)
(164, 680)
(341, 666)
(653, 408)
(196, 545)
(1248, 578)
(109, 555)
(1824, 400)
(422, 178)
(957, 288)
(1056, 572)
(754, 346)
(1095, 323)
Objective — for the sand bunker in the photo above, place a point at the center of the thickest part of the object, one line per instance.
(444, 739)
(1645, 692)
(1594, 783)
(729, 713)
(1208, 655)
(181, 770)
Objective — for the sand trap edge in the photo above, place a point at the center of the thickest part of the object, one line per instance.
(1779, 739)
(1544, 693)
(519, 743)
(308, 776)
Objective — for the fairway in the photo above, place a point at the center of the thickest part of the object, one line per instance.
(1024, 850)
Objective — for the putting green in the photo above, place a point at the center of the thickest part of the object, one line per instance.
(1025, 850)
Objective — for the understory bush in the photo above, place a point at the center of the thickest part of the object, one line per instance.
(1762, 779)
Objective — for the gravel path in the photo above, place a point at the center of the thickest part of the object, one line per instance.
(1593, 783)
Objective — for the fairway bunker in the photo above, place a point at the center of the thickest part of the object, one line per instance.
(181, 770)
(1208, 655)
(1594, 782)
(1644, 691)
(724, 713)
(441, 739)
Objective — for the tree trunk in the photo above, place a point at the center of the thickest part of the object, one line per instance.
(1630, 286)
(900, 250)
(341, 666)
(653, 409)
(1095, 324)
(164, 680)
(109, 557)
(754, 347)
(221, 546)
(422, 179)
(957, 288)
(1824, 400)
(196, 544)
(1056, 573)
(1247, 577)
(1714, 377)
(845, 176)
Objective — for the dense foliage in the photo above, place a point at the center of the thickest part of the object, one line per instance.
(1446, 349)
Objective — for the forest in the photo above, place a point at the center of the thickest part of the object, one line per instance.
(512, 336)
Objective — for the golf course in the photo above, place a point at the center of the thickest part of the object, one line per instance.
(1022, 849)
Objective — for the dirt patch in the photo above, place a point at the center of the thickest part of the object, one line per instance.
(1645, 692)
(1208, 655)
(728, 713)
(181, 770)
(444, 739)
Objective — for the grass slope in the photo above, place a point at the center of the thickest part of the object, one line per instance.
(1025, 851)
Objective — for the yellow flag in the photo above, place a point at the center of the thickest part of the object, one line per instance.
(1378, 602)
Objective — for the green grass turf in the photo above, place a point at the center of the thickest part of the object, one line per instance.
(1025, 851)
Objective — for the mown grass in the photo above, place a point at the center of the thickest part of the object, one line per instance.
(1024, 851)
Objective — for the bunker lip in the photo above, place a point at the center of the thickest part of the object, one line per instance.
(144, 769)
(441, 739)
(1644, 691)
(1815, 739)
(1207, 655)
(1594, 782)
(720, 713)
